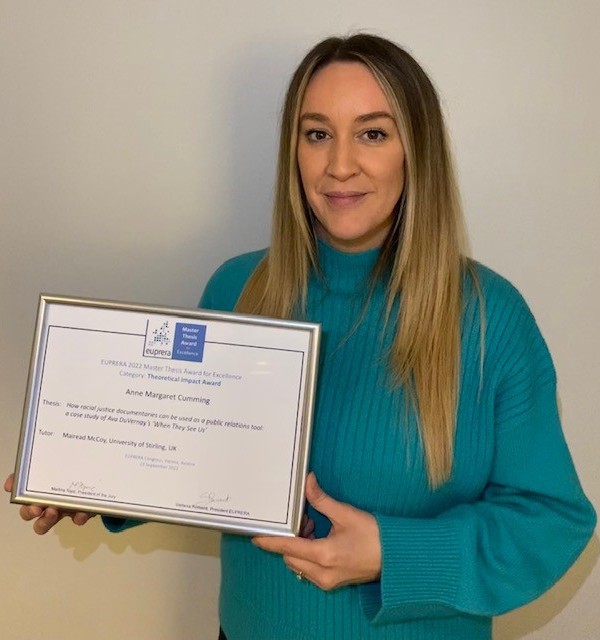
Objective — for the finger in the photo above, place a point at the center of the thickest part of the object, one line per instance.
(300, 548)
(8, 483)
(31, 511)
(80, 518)
(308, 527)
(322, 502)
(308, 570)
(322, 577)
(46, 521)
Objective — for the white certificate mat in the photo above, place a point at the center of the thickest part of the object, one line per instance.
(152, 413)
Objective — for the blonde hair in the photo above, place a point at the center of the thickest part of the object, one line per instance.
(424, 251)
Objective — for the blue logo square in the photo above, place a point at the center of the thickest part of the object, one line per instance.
(189, 342)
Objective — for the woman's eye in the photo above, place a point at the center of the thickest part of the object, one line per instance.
(315, 135)
(375, 135)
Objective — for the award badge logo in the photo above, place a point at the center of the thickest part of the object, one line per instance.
(170, 340)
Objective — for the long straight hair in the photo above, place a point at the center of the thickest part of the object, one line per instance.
(423, 256)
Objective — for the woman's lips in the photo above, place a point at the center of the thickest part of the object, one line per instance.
(344, 199)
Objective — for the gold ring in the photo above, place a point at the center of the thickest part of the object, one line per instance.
(300, 575)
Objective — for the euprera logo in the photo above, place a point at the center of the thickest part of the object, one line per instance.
(171, 340)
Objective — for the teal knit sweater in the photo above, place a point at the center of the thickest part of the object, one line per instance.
(507, 525)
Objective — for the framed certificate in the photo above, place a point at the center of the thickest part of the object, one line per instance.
(153, 413)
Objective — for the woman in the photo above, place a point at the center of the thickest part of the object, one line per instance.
(449, 494)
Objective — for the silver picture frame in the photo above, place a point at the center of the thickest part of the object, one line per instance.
(155, 413)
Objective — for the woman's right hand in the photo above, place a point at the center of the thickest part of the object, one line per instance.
(46, 517)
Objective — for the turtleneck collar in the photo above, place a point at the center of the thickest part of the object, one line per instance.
(345, 272)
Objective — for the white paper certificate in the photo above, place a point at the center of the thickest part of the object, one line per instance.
(164, 414)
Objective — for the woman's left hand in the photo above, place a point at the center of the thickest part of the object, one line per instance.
(350, 554)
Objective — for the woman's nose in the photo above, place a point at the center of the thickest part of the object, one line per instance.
(342, 160)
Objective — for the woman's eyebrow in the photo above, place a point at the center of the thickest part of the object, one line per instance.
(313, 115)
(374, 115)
(365, 117)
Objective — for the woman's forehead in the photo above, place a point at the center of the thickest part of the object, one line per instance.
(344, 88)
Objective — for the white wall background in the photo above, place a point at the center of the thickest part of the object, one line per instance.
(137, 145)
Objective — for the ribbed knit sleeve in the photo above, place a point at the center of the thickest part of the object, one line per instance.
(531, 520)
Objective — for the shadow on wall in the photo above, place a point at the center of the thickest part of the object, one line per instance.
(536, 615)
(256, 89)
(84, 541)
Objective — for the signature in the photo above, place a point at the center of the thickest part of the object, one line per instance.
(80, 487)
(209, 497)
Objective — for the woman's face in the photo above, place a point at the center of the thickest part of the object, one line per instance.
(350, 156)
